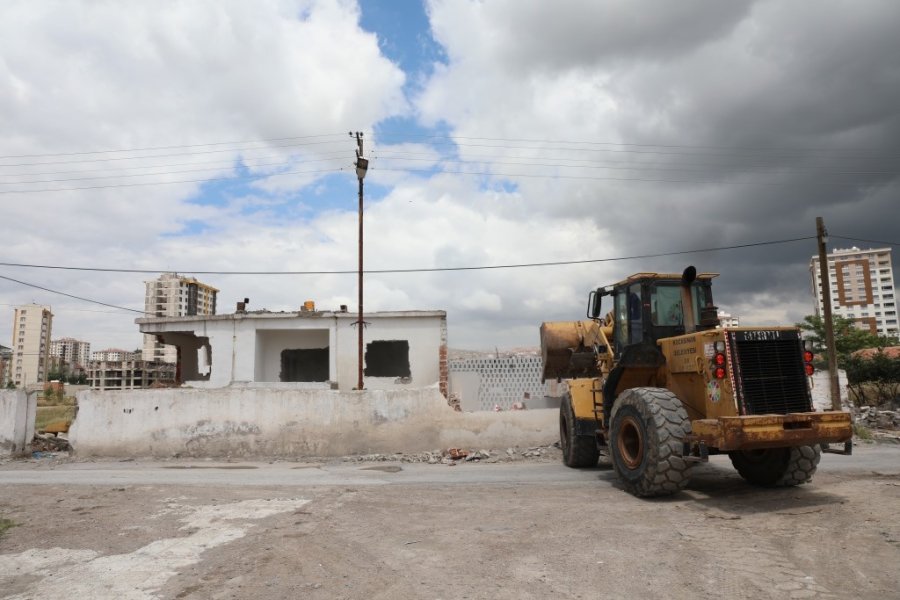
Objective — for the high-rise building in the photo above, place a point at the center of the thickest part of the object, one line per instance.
(74, 352)
(30, 344)
(174, 295)
(728, 320)
(862, 288)
(115, 355)
(5, 359)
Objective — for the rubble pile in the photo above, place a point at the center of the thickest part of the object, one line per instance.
(47, 442)
(873, 418)
(452, 456)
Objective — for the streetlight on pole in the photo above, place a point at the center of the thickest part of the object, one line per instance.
(362, 165)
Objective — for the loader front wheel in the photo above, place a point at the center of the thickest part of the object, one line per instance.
(777, 467)
(578, 451)
(646, 433)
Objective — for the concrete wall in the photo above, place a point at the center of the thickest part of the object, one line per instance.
(424, 335)
(17, 412)
(482, 383)
(249, 421)
(820, 387)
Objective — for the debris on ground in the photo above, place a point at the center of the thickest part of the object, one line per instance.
(48, 442)
(451, 456)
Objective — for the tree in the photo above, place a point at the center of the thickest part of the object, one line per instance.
(848, 338)
(874, 379)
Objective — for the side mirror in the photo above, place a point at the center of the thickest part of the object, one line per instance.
(594, 302)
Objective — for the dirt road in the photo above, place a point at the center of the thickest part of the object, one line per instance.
(524, 529)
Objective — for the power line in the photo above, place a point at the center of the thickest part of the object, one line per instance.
(575, 145)
(245, 161)
(280, 163)
(67, 309)
(148, 148)
(593, 165)
(855, 239)
(639, 179)
(418, 270)
(146, 183)
(118, 158)
(83, 299)
(596, 143)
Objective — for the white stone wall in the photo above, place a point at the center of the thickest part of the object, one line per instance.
(17, 412)
(820, 387)
(482, 383)
(250, 421)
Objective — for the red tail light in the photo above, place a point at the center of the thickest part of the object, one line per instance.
(720, 373)
(808, 357)
(719, 359)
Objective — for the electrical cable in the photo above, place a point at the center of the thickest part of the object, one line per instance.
(639, 179)
(83, 299)
(419, 270)
(281, 163)
(146, 183)
(856, 239)
(148, 148)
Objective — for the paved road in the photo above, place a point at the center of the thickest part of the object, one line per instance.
(203, 529)
(880, 458)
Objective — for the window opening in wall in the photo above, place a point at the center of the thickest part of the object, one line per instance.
(304, 364)
(387, 358)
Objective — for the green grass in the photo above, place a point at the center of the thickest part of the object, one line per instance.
(5, 524)
(862, 432)
(51, 414)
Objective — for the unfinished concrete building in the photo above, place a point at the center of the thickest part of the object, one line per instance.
(306, 349)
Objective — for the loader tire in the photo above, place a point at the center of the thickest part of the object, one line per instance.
(777, 467)
(646, 433)
(578, 451)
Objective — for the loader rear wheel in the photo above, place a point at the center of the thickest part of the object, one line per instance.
(646, 433)
(777, 467)
(578, 451)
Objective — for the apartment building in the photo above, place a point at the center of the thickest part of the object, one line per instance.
(72, 352)
(174, 295)
(728, 320)
(5, 360)
(114, 355)
(862, 288)
(129, 374)
(30, 359)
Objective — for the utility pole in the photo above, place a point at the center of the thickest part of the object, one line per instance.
(822, 238)
(362, 166)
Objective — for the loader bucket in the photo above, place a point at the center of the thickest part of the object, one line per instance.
(563, 350)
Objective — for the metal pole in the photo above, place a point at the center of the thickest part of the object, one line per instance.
(825, 286)
(359, 321)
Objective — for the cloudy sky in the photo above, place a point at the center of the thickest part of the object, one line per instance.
(212, 135)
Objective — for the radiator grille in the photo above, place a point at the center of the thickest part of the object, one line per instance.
(770, 376)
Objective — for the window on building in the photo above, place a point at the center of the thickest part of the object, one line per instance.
(387, 358)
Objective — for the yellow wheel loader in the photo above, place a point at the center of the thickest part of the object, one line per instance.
(657, 385)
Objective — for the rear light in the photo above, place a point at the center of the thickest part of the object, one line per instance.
(808, 358)
(718, 361)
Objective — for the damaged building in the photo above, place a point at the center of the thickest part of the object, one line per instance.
(306, 349)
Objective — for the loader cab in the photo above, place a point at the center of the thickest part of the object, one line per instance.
(648, 307)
